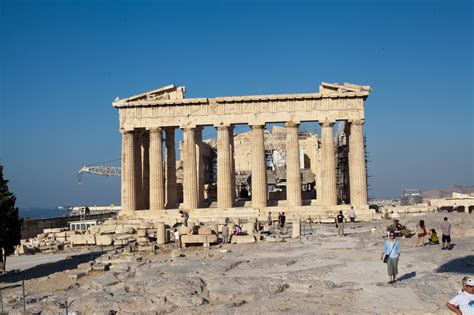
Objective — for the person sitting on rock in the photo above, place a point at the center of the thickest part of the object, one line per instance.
(433, 237)
(237, 230)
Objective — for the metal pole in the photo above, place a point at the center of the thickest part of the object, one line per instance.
(67, 308)
(24, 301)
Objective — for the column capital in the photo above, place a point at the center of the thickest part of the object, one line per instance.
(123, 130)
(257, 126)
(327, 123)
(223, 127)
(155, 129)
(357, 121)
(291, 124)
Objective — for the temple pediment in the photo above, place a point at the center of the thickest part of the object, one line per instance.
(169, 92)
(326, 88)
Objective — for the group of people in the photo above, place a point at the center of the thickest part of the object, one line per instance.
(281, 219)
(433, 239)
(391, 250)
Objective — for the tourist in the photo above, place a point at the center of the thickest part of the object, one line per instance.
(340, 224)
(392, 250)
(269, 219)
(352, 215)
(237, 230)
(281, 220)
(434, 240)
(185, 217)
(225, 234)
(463, 284)
(177, 239)
(446, 237)
(463, 302)
(421, 233)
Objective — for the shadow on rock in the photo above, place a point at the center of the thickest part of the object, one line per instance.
(407, 276)
(50, 268)
(458, 265)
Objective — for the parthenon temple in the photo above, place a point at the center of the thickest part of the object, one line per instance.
(148, 124)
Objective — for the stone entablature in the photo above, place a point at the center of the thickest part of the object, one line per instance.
(167, 111)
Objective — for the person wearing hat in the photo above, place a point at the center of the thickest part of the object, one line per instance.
(463, 303)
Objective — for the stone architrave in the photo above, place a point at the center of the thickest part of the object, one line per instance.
(200, 165)
(357, 171)
(259, 176)
(190, 179)
(293, 174)
(328, 165)
(137, 151)
(224, 169)
(171, 187)
(157, 191)
(128, 172)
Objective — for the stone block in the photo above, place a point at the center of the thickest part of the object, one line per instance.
(21, 250)
(141, 232)
(185, 230)
(206, 240)
(243, 239)
(122, 229)
(214, 227)
(249, 228)
(146, 225)
(121, 242)
(107, 229)
(77, 275)
(94, 229)
(204, 230)
(160, 233)
(104, 240)
(79, 239)
(142, 240)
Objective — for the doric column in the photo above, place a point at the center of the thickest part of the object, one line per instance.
(200, 165)
(128, 172)
(190, 180)
(146, 170)
(232, 162)
(293, 175)
(157, 191)
(328, 165)
(224, 169)
(357, 171)
(171, 195)
(137, 150)
(259, 176)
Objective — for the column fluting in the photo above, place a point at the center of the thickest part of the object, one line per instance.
(293, 174)
(128, 172)
(171, 187)
(190, 179)
(259, 175)
(224, 169)
(357, 167)
(157, 194)
(328, 165)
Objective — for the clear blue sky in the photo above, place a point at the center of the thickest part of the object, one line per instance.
(63, 62)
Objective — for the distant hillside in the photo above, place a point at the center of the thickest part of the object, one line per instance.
(448, 191)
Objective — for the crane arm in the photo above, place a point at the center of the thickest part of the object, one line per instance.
(99, 170)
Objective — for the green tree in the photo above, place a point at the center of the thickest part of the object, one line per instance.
(10, 224)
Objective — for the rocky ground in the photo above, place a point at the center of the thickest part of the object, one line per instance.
(319, 273)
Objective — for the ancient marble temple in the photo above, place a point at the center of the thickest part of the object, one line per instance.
(148, 123)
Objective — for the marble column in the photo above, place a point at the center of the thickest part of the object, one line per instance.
(146, 170)
(137, 151)
(328, 165)
(200, 165)
(157, 191)
(128, 172)
(224, 169)
(190, 179)
(232, 162)
(293, 174)
(259, 172)
(171, 188)
(357, 171)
